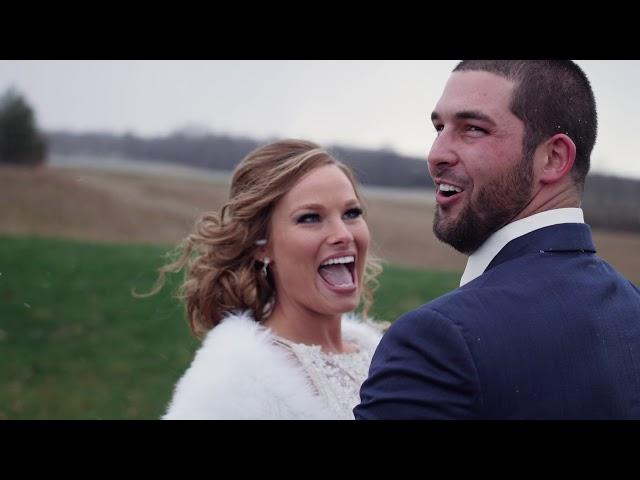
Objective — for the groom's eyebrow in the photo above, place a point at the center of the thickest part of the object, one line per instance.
(474, 115)
(467, 115)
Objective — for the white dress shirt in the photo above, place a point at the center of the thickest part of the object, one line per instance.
(481, 258)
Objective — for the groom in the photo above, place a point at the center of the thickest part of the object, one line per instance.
(541, 327)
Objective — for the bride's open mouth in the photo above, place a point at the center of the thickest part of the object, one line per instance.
(338, 273)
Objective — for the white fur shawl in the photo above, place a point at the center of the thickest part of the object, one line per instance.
(239, 374)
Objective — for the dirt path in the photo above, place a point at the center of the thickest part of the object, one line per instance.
(86, 203)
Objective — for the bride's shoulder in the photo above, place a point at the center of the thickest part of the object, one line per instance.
(238, 326)
(232, 377)
(363, 331)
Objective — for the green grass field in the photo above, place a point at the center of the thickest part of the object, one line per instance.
(75, 344)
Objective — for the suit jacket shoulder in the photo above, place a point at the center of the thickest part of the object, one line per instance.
(548, 331)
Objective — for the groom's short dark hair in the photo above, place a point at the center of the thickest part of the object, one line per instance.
(550, 96)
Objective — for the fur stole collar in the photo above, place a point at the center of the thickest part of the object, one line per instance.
(238, 373)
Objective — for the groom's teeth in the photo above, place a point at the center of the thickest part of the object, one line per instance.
(449, 188)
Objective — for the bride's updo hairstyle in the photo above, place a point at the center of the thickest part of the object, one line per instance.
(222, 274)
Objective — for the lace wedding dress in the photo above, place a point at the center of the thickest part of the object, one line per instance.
(335, 377)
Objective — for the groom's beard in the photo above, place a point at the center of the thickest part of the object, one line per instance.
(495, 205)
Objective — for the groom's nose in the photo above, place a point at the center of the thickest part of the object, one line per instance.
(442, 154)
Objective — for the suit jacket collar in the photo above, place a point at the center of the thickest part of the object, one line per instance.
(481, 258)
(567, 237)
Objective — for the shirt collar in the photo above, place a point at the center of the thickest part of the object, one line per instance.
(481, 258)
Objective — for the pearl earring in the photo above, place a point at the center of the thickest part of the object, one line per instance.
(265, 264)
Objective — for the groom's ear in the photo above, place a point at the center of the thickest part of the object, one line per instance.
(558, 157)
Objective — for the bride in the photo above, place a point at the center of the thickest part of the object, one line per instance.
(270, 283)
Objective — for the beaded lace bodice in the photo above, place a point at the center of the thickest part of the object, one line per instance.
(336, 377)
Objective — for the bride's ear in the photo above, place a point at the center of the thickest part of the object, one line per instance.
(262, 251)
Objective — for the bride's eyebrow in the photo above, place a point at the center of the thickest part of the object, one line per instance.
(309, 206)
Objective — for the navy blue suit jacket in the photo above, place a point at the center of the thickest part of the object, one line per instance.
(549, 331)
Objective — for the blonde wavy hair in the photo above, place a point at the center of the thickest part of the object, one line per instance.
(222, 274)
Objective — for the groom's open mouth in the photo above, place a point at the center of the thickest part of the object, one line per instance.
(447, 193)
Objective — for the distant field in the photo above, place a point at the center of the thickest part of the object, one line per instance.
(75, 344)
(85, 203)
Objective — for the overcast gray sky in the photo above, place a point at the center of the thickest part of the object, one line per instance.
(367, 104)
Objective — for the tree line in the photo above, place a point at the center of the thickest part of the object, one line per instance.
(609, 201)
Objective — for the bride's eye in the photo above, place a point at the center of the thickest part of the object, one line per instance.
(353, 213)
(308, 218)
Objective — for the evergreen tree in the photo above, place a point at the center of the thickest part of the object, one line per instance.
(20, 141)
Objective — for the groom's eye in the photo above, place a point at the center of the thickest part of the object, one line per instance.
(475, 130)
